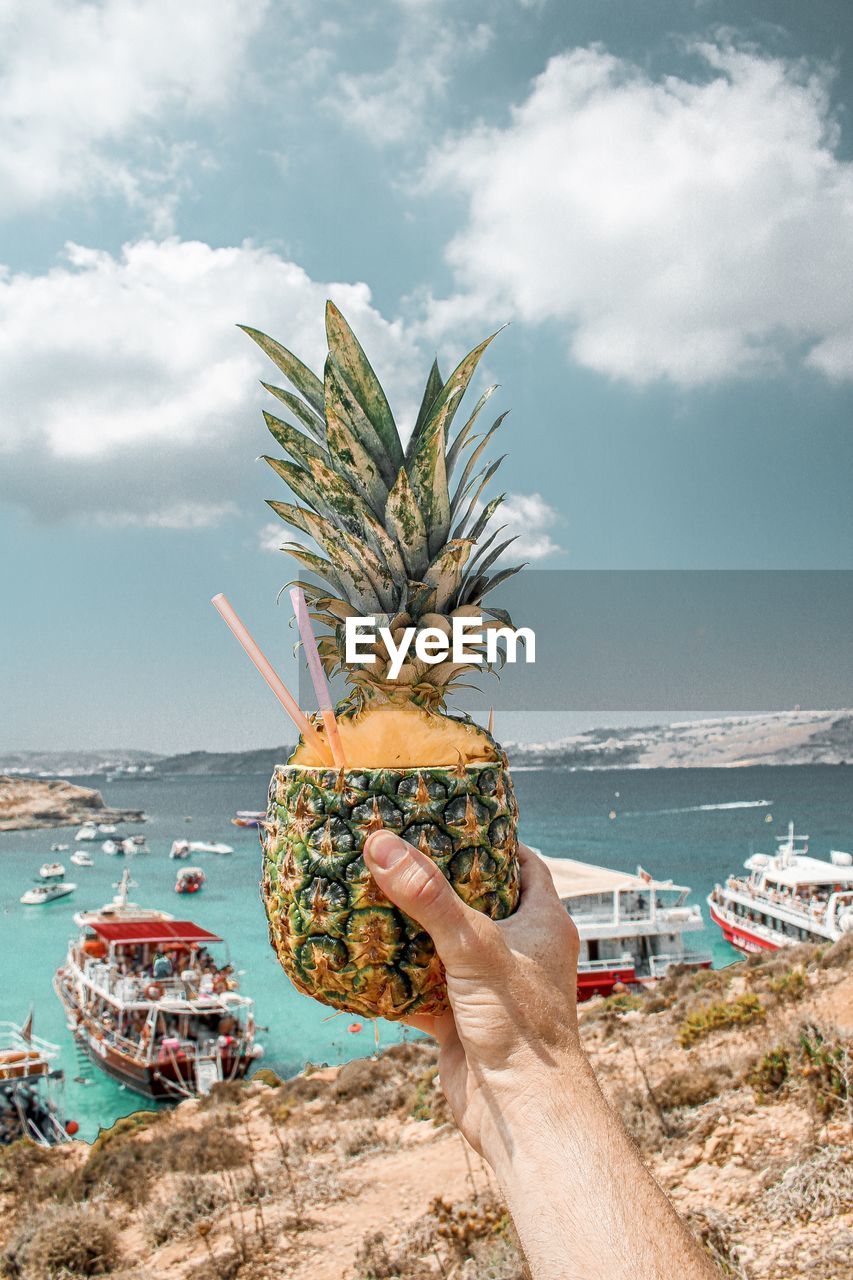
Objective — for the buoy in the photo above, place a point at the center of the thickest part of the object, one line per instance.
(154, 991)
(71, 1128)
(355, 1027)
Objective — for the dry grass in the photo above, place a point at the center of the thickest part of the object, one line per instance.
(717, 1235)
(360, 1137)
(61, 1241)
(820, 1186)
(190, 1199)
(472, 1240)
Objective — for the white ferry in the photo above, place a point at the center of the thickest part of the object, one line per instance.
(631, 927)
(788, 897)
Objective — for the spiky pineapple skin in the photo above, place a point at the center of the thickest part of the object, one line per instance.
(337, 937)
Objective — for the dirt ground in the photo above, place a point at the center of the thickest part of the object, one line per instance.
(737, 1086)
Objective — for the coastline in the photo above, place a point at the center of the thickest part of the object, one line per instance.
(32, 804)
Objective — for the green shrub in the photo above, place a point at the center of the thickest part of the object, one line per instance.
(827, 1067)
(791, 985)
(699, 1023)
(771, 1072)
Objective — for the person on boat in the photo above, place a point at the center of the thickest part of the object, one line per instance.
(520, 1087)
(162, 967)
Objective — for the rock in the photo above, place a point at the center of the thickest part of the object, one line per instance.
(27, 804)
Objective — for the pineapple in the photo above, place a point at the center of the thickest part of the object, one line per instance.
(394, 544)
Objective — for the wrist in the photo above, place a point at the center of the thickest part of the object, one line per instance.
(551, 1103)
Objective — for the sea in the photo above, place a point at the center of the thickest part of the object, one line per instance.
(694, 826)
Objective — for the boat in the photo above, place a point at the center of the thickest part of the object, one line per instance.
(112, 847)
(787, 898)
(58, 848)
(82, 859)
(88, 831)
(249, 818)
(51, 871)
(106, 828)
(190, 880)
(47, 891)
(631, 926)
(120, 907)
(183, 848)
(151, 1007)
(30, 1088)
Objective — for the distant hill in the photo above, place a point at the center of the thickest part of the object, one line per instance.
(787, 737)
(203, 763)
(784, 737)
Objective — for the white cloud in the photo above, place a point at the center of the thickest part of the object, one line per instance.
(391, 105)
(130, 396)
(78, 78)
(682, 229)
(529, 519)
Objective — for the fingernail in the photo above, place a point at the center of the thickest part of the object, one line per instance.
(384, 849)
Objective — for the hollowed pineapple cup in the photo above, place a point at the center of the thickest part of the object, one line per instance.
(338, 938)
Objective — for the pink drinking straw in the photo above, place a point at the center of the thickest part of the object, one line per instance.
(318, 676)
(291, 706)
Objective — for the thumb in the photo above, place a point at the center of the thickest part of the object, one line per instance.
(415, 884)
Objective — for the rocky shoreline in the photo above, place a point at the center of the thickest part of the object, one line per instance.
(736, 1085)
(28, 804)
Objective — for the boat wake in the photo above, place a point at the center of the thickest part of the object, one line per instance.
(701, 808)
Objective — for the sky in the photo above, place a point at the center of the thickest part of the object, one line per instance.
(657, 197)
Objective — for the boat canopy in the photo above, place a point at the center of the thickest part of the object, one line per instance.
(151, 931)
(576, 879)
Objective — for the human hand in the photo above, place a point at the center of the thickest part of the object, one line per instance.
(510, 1040)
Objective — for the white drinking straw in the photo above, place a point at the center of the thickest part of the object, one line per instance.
(318, 676)
(291, 706)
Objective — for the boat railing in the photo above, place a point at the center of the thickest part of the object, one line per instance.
(660, 964)
(625, 961)
(813, 908)
(133, 989)
(40, 1052)
(661, 915)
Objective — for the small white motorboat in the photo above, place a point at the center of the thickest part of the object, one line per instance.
(51, 871)
(82, 859)
(209, 846)
(129, 846)
(106, 828)
(47, 892)
(112, 847)
(58, 848)
(183, 848)
(88, 831)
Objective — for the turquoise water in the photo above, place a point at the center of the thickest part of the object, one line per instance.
(667, 820)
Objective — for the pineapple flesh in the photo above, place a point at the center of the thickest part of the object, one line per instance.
(393, 543)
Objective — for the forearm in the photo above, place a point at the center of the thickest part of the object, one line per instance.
(584, 1205)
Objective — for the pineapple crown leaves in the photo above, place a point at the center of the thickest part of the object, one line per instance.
(391, 534)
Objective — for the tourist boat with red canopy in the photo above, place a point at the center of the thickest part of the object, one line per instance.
(151, 1006)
